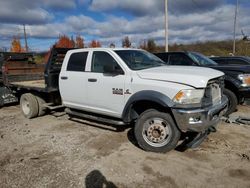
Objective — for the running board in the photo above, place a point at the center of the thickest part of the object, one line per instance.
(94, 118)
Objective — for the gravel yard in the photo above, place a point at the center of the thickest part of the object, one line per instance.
(53, 151)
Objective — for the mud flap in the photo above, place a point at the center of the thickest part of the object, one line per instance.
(195, 140)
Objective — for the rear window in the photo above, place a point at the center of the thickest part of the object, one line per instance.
(236, 62)
(77, 62)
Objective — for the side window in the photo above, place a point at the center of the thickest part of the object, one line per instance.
(236, 62)
(162, 56)
(220, 61)
(179, 59)
(102, 59)
(77, 62)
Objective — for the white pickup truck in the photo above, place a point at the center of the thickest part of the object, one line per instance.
(124, 86)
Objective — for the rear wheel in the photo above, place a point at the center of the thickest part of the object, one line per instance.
(156, 131)
(29, 105)
(232, 101)
(41, 108)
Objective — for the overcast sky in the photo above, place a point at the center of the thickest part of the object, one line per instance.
(110, 20)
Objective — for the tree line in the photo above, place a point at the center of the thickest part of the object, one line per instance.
(216, 48)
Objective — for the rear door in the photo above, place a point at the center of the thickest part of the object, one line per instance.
(73, 80)
(105, 90)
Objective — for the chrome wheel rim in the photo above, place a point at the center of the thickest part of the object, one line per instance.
(157, 132)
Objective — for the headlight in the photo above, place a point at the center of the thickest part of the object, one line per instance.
(245, 78)
(192, 96)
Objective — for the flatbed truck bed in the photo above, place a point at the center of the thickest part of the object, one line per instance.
(20, 74)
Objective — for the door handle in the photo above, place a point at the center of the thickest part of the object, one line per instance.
(64, 77)
(92, 80)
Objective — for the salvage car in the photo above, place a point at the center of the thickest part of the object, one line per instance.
(237, 78)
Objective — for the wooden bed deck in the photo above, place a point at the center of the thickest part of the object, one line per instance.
(32, 84)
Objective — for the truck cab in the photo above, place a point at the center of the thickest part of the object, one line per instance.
(133, 86)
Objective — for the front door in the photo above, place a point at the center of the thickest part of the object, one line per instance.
(105, 91)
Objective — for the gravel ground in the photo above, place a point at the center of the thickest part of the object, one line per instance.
(52, 151)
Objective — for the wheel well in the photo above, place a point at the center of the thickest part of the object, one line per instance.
(139, 107)
(233, 88)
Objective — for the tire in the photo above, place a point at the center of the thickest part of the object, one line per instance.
(156, 131)
(29, 105)
(232, 102)
(41, 110)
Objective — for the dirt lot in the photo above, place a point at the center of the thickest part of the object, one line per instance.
(55, 152)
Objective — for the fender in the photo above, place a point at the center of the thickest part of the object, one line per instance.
(231, 80)
(146, 95)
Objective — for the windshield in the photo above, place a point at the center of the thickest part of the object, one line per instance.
(138, 60)
(201, 59)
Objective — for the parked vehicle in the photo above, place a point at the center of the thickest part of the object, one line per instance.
(232, 60)
(237, 78)
(126, 86)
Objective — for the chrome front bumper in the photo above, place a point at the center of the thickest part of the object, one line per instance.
(199, 120)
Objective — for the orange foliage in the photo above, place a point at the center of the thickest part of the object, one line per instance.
(16, 45)
(95, 44)
(79, 42)
(64, 42)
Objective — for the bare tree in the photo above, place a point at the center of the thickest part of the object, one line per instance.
(126, 42)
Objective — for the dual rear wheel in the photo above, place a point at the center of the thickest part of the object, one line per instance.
(32, 105)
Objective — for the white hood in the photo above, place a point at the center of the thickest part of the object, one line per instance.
(188, 75)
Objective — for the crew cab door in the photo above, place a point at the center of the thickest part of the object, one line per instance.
(105, 87)
(72, 80)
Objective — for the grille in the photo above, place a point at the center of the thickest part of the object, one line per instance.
(213, 92)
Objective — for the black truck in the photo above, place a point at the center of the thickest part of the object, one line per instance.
(237, 78)
(20, 74)
(232, 60)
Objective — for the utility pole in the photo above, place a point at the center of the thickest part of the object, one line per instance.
(25, 38)
(235, 24)
(166, 25)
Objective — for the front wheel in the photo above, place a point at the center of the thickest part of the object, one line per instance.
(232, 102)
(156, 131)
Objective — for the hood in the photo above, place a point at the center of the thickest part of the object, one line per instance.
(188, 75)
(233, 68)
